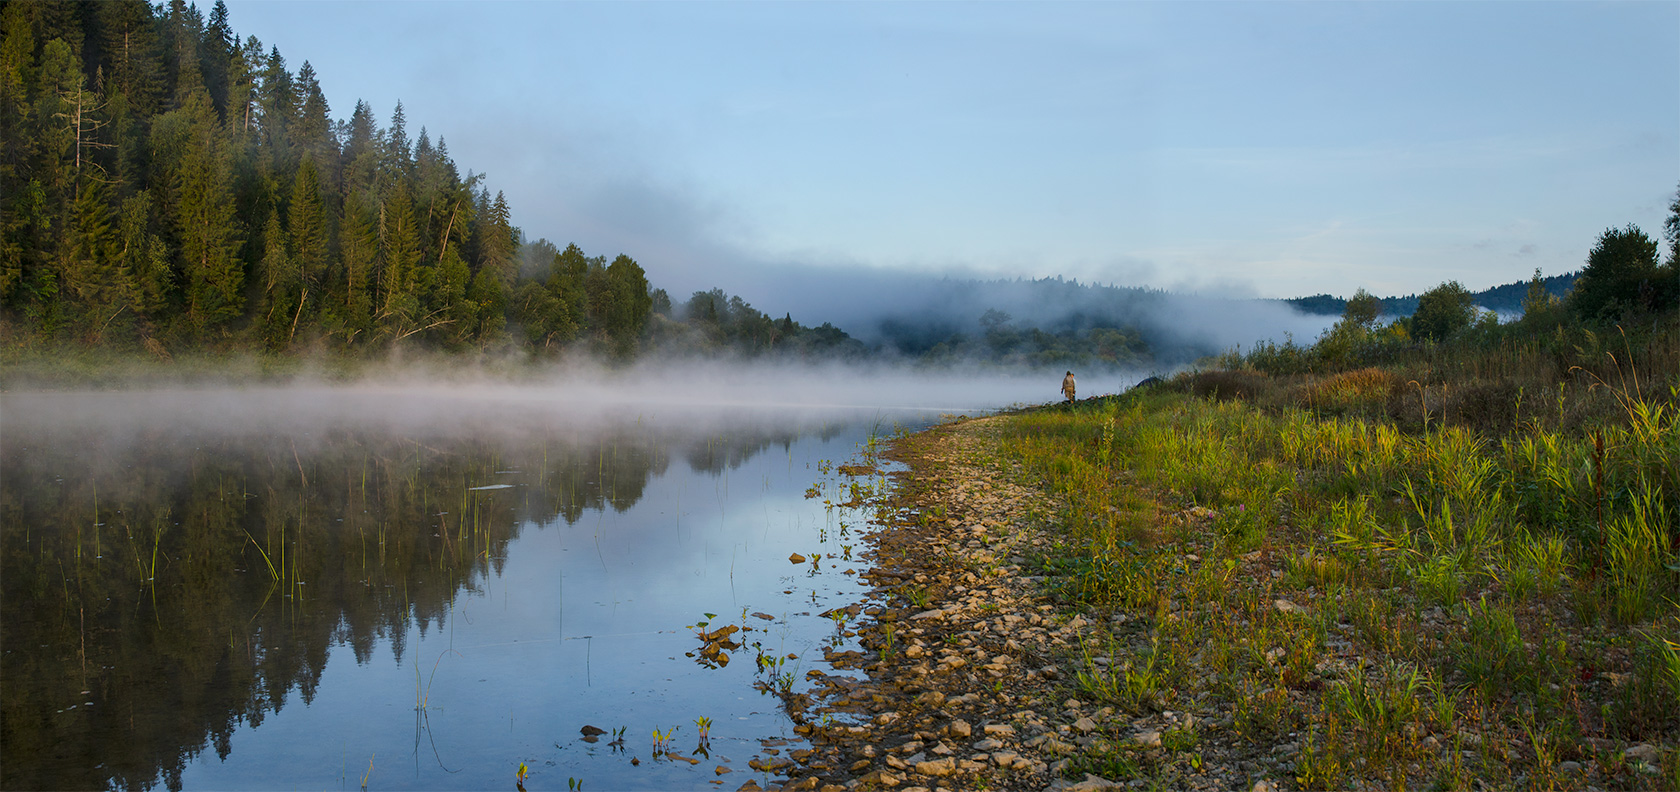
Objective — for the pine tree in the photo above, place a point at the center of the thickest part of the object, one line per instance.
(399, 244)
(94, 272)
(284, 292)
(398, 162)
(205, 223)
(146, 257)
(185, 29)
(359, 252)
(497, 242)
(307, 223)
(217, 55)
(276, 114)
(314, 130)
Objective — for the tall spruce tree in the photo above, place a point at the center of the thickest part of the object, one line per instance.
(209, 234)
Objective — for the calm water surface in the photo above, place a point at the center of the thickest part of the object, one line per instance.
(313, 589)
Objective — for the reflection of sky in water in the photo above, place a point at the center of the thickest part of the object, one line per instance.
(586, 624)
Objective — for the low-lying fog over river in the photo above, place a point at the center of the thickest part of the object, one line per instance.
(425, 586)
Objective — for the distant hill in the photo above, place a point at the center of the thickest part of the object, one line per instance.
(1505, 298)
(1056, 321)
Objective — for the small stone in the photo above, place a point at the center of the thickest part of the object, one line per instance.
(1569, 767)
(1085, 725)
(750, 786)
(591, 731)
(1644, 752)
(808, 782)
(988, 744)
(1285, 606)
(796, 558)
(936, 767)
(720, 770)
(1263, 785)
(999, 729)
(887, 779)
(1091, 783)
(1147, 739)
(960, 728)
(1005, 758)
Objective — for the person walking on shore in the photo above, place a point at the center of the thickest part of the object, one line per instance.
(1067, 386)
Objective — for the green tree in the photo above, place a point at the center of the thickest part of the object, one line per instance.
(497, 241)
(1621, 277)
(306, 221)
(93, 271)
(205, 222)
(1362, 309)
(399, 243)
(147, 258)
(283, 289)
(1540, 307)
(628, 305)
(359, 254)
(1443, 311)
(276, 115)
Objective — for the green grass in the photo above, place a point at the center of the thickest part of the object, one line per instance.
(1520, 584)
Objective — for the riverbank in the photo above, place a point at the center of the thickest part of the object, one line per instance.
(972, 675)
(1028, 631)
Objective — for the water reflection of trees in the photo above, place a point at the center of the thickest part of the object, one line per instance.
(160, 594)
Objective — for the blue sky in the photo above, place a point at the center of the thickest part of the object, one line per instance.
(1264, 148)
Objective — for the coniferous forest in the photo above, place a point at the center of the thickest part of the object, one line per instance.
(167, 185)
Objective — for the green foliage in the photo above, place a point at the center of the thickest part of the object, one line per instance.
(1623, 277)
(163, 182)
(1443, 311)
(1362, 309)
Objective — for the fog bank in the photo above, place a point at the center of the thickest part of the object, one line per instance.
(576, 399)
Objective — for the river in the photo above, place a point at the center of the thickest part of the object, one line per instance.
(339, 587)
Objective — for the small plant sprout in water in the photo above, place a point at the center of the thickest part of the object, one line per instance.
(704, 724)
(662, 740)
(700, 626)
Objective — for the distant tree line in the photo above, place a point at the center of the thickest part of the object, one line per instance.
(1624, 285)
(1506, 298)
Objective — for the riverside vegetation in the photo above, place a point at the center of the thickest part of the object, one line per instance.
(1372, 562)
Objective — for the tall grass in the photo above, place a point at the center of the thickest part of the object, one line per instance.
(1512, 574)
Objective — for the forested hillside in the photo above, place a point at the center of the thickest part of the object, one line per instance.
(166, 184)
